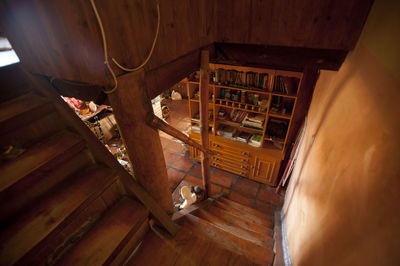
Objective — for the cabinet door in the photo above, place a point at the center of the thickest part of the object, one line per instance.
(265, 169)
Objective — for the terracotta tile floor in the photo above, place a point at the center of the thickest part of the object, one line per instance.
(183, 171)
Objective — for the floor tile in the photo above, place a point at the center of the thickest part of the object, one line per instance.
(182, 126)
(241, 199)
(175, 146)
(183, 163)
(268, 194)
(164, 142)
(215, 189)
(246, 186)
(222, 178)
(174, 178)
(194, 180)
(196, 170)
(169, 157)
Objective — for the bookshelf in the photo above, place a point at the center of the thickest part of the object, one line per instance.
(250, 113)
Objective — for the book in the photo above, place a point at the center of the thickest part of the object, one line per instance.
(243, 137)
(255, 140)
(226, 131)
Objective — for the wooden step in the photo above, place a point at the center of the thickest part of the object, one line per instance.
(239, 221)
(202, 228)
(261, 240)
(244, 215)
(52, 211)
(185, 249)
(21, 110)
(106, 240)
(17, 198)
(31, 132)
(36, 157)
(243, 208)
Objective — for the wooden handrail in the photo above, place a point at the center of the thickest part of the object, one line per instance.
(102, 155)
(159, 124)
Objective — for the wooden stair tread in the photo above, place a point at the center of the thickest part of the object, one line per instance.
(185, 249)
(50, 212)
(255, 253)
(20, 105)
(110, 233)
(246, 209)
(239, 221)
(155, 251)
(243, 233)
(36, 156)
(17, 197)
(244, 215)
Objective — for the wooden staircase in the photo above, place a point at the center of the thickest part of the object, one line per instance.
(58, 204)
(65, 200)
(217, 232)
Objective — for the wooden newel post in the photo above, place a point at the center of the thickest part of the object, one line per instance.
(131, 106)
(204, 125)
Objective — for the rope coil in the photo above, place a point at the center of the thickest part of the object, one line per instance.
(107, 57)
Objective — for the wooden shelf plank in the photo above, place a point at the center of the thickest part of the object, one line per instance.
(255, 90)
(280, 116)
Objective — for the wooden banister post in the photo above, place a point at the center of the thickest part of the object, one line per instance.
(131, 105)
(204, 95)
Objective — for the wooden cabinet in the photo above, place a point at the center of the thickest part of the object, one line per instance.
(250, 113)
(265, 169)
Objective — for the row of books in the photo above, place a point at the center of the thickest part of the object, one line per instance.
(238, 116)
(235, 134)
(196, 117)
(243, 79)
(285, 85)
(263, 81)
(255, 122)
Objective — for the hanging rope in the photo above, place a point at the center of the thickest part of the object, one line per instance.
(107, 57)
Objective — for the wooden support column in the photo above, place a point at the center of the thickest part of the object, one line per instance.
(131, 105)
(204, 82)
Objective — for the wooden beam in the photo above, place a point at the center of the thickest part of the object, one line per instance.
(167, 75)
(131, 105)
(204, 95)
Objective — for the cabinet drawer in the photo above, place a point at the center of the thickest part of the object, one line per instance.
(230, 151)
(230, 163)
(235, 170)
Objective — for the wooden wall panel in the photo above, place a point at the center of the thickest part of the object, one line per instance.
(314, 24)
(342, 203)
(57, 38)
(62, 39)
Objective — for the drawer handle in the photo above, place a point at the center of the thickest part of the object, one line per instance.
(245, 153)
(241, 173)
(216, 146)
(243, 167)
(244, 161)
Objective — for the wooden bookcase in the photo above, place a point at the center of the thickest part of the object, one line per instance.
(243, 102)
